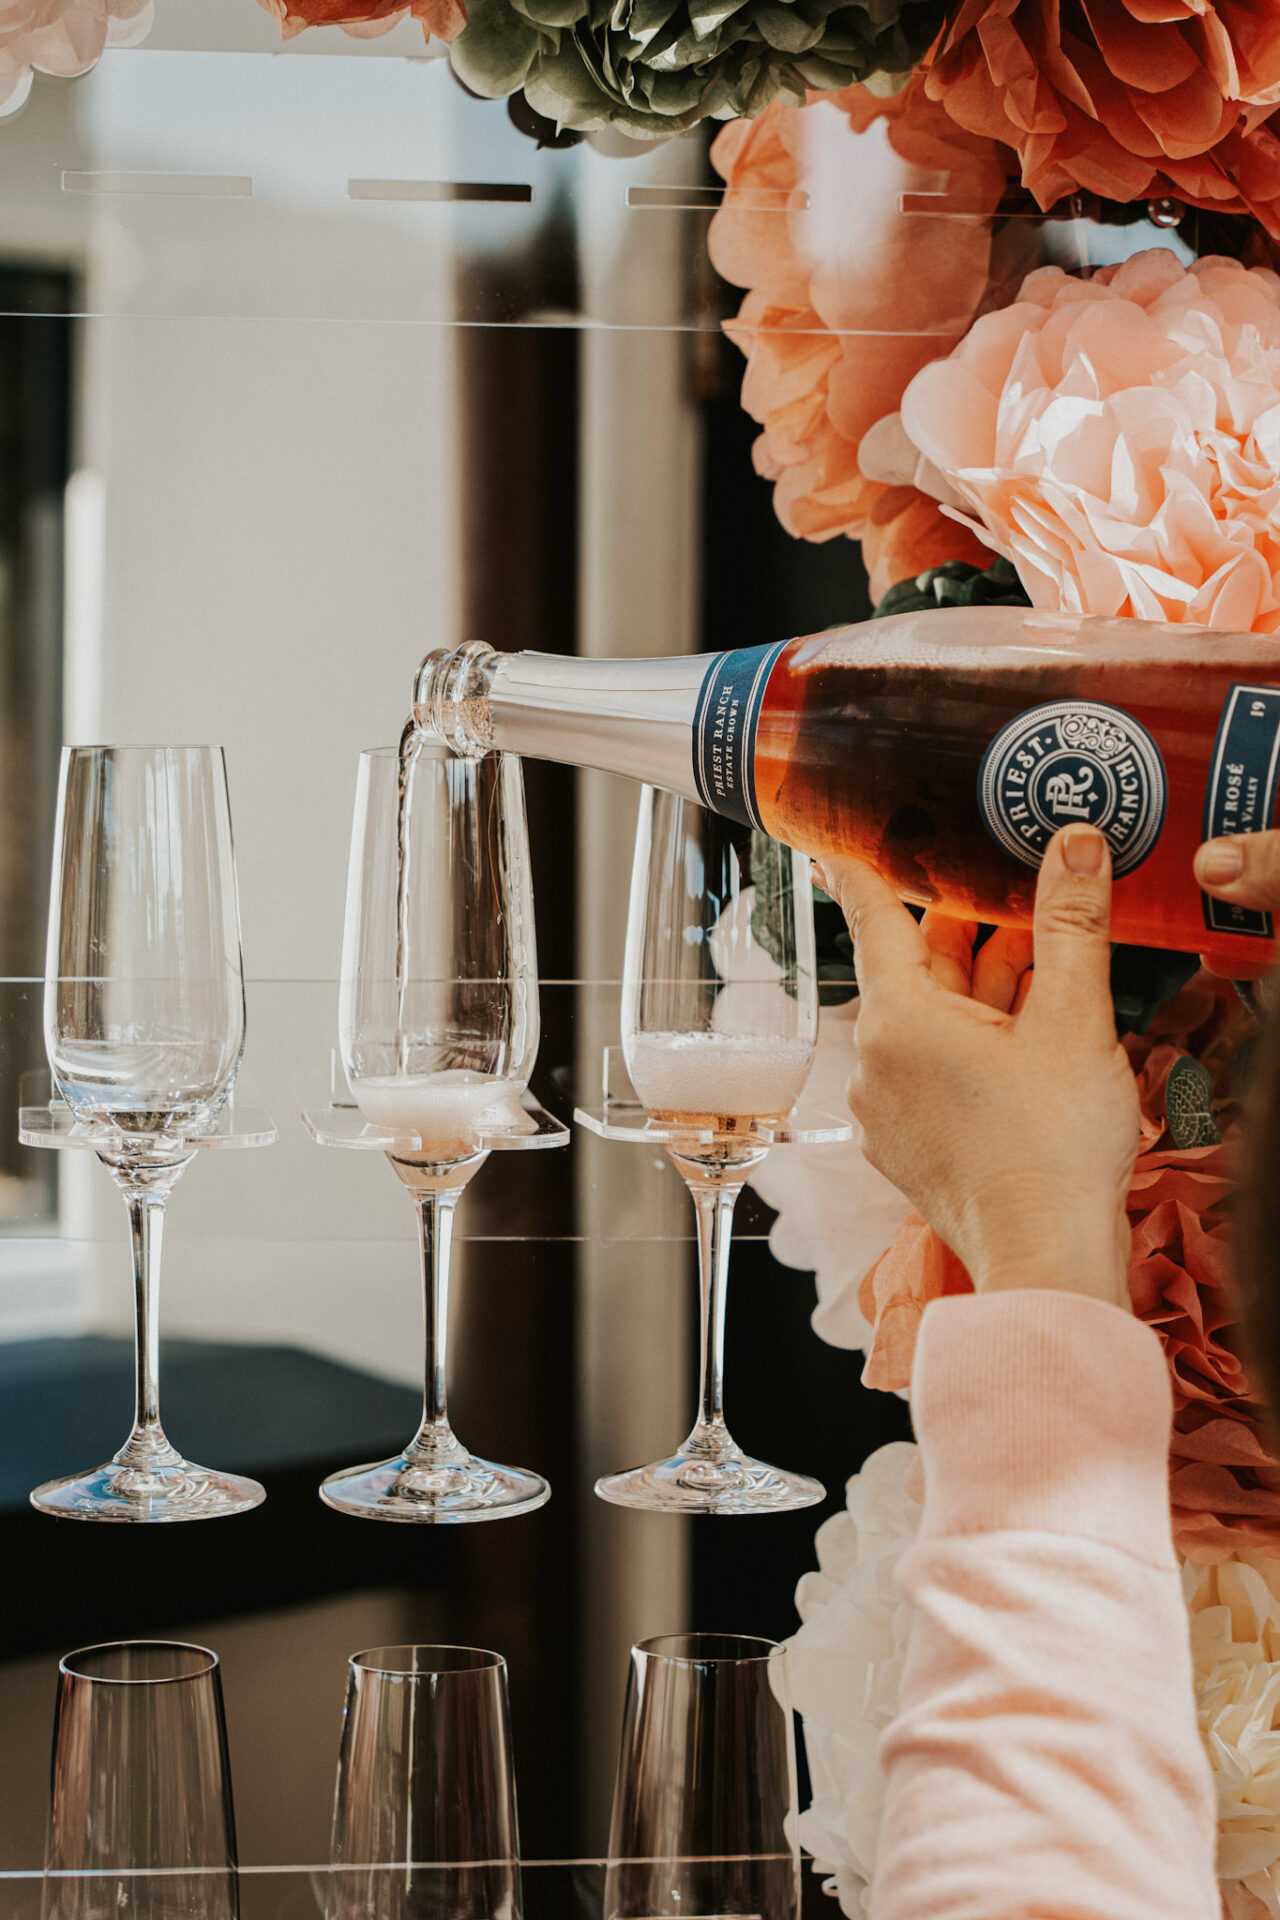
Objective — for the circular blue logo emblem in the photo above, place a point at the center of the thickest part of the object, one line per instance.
(1073, 760)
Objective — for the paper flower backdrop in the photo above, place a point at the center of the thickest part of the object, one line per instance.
(1122, 98)
(838, 316)
(1118, 439)
(65, 37)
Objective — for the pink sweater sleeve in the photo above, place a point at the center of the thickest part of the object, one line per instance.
(1045, 1762)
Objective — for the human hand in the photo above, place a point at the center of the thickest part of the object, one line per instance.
(1000, 1102)
(1242, 868)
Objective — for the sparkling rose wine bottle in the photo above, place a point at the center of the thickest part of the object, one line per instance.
(943, 747)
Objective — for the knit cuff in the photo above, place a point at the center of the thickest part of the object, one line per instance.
(1044, 1411)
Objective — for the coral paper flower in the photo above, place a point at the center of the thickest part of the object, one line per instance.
(1118, 439)
(838, 315)
(1121, 97)
(1223, 1484)
(365, 19)
(65, 37)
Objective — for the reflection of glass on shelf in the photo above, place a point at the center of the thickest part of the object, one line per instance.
(35, 451)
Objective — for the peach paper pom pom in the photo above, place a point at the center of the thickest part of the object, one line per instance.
(1118, 439)
(65, 37)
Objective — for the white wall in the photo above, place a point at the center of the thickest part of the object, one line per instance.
(263, 542)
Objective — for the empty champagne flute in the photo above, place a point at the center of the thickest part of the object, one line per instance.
(705, 1817)
(438, 1029)
(719, 1021)
(141, 1820)
(144, 1022)
(424, 1817)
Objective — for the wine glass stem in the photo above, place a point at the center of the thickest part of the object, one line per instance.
(714, 1204)
(146, 1445)
(435, 1215)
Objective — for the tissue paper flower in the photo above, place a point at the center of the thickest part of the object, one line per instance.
(1235, 1649)
(656, 67)
(1224, 1486)
(845, 1666)
(836, 1214)
(838, 315)
(65, 37)
(1122, 98)
(366, 19)
(1118, 439)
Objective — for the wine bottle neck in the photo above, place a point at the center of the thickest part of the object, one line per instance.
(624, 716)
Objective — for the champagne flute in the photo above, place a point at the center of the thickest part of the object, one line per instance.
(144, 1023)
(424, 1817)
(140, 1817)
(704, 1806)
(438, 1029)
(719, 1022)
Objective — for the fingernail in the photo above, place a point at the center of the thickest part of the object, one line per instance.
(818, 877)
(1219, 862)
(1083, 852)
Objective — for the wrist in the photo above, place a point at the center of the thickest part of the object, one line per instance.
(1105, 1279)
(1043, 1237)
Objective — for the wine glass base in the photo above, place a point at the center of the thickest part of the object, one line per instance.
(696, 1483)
(453, 1492)
(180, 1491)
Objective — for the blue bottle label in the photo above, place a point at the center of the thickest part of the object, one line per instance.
(1240, 795)
(724, 730)
(1074, 760)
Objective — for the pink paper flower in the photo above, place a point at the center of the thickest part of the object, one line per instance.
(65, 37)
(1118, 439)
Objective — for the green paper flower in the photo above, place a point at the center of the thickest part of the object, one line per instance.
(657, 67)
(955, 584)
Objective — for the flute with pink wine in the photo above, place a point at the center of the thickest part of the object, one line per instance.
(944, 747)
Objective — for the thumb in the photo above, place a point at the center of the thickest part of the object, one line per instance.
(1243, 868)
(1072, 979)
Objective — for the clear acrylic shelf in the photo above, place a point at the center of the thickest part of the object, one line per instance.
(340, 1123)
(234, 1125)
